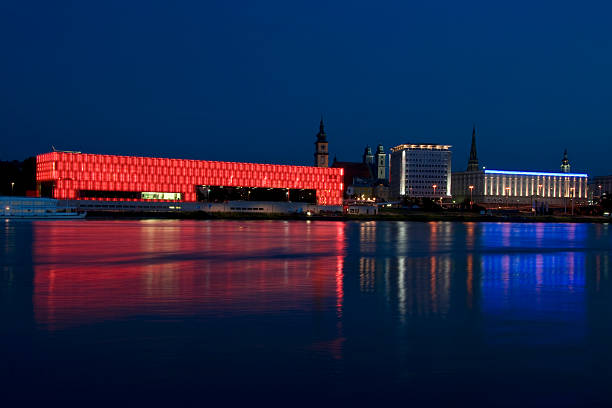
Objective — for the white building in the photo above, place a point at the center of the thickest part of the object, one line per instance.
(499, 188)
(502, 187)
(420, 170)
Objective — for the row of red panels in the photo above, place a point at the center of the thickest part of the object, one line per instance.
(323, 198)
(183, 186)
(76, 161)
(193, 177)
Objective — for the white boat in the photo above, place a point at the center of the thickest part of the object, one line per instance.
(36, 208)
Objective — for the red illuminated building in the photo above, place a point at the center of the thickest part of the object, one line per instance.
(73, 175)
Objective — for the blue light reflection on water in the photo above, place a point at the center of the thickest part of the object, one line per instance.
(531, 287)
(336, 308)
(529, 275)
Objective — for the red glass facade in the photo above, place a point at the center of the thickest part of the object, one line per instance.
(74, 172)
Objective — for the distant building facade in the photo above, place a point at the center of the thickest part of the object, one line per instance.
(600, 185)
(524, 186)
(377, 162)
(508, 188)
(503, 187)
(366, 180)
(420, 170)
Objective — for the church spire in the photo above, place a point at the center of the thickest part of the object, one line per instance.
(321, 155)
(473, 161)
(321, 136)
(565, 164)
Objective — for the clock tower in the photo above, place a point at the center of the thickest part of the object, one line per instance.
(321, 156)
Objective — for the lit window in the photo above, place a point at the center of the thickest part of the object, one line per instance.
(160, 196)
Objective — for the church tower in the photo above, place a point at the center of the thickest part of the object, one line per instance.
(368, 157)
(321, 156)
(565, 165)
(473, 161)
(381, 163)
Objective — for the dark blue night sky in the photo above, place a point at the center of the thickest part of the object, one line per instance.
(248, 81)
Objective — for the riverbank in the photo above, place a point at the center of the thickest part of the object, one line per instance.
(407, 216)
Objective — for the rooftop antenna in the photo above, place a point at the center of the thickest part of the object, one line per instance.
(64, 151)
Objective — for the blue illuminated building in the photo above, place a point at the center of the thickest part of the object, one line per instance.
(512, 188)
(535, 173)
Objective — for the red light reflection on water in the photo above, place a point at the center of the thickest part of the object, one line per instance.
(339, 285)
(87, 272)
(470, 280)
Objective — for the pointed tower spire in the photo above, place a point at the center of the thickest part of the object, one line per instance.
(321, 156)
(565, 164)
(321, 135)
(473, 161)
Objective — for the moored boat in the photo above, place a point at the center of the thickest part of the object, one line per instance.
(36, 208)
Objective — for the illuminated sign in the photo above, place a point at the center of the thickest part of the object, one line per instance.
(161, 196)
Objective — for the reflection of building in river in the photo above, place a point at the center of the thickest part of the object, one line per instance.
(489, 269)
(522, 283)
(541, 286)
(414, 283)
(538, 273)
(423, 285)
(90, 273)
(427, 274)
(530, 272)
(367, 268)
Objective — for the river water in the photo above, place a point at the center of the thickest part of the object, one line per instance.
(298, 312)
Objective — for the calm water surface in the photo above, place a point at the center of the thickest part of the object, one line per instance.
(306, 312)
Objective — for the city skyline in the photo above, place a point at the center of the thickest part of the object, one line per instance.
(249, 83)
(321, 203)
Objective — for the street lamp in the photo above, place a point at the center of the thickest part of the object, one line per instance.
(573, 189)
(471, 191)
(12, 187)
(599, 192)
(434, 188)
(508, 197)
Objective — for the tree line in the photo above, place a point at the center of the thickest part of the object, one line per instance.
(18, 177)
